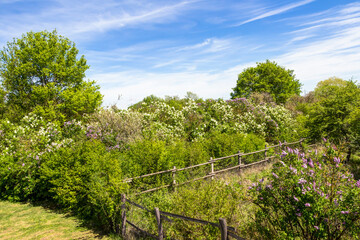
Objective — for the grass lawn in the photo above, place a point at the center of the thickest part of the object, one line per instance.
(24, 221)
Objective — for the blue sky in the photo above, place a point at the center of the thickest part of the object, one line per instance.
(136, 47)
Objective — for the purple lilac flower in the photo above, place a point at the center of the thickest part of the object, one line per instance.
(316, 227)
(302, 181)
(311, 164)
(296, 199)
(337, 160)
(23, 164)
(344, 212)
(319, 164)
(274, 174)
(307, 205)
(324, 139)
(358, 184)
(296, 151)
(293, 169)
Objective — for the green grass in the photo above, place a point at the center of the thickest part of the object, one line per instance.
(24, 221)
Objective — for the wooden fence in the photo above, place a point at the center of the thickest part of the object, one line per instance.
(226, 231)
(211, 173)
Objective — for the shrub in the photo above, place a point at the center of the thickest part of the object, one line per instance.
(116, 129)
(307, 197)
(84, 179)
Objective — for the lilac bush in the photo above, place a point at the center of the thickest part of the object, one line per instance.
(307, 196)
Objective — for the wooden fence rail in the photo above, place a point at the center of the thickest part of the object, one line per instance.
(225, 230)
(211, 162)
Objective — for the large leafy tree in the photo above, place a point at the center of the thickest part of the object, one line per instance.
(267, 77)
(335, 114)
(42, 73)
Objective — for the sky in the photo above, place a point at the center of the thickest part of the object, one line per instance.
(136, 48)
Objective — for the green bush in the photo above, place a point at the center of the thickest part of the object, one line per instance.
(85, 179)
(307, 197)
(206, 200)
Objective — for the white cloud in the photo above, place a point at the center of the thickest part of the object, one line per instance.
(134, 86)
(277, 11)
(333, 51)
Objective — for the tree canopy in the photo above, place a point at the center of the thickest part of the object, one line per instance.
(267, 77)
(41, 72)
(335, 113)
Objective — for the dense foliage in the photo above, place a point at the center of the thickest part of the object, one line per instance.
(270, 78)
(58, 146)
(335, 113)
(40, 73)
(308, 197)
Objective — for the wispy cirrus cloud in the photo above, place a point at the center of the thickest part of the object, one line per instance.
(334, 48)
(271, 12)
(78, 18)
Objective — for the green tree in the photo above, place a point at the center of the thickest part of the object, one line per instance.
(40, 73)
(335, 113)
(267, 77)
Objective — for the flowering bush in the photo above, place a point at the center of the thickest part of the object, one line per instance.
(307, 197)
(116, 129)
(192, 119)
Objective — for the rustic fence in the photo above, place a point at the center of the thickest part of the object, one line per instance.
(160, 216)
(211, 172)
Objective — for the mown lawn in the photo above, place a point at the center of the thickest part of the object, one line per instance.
(24, 221)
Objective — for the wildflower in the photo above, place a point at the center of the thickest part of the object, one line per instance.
(324, 139)
(337, 160)
(23, 164)
(307, 205)
(274, 174)
(293, 169)
(304, 165)
(296, 199)
(302, 181)
(358, 184)
(283, 153)
(344, 212)
(283, 163)
(298, 214)
(311, 164)
(316, 227)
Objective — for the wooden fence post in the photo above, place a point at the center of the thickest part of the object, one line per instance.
(173, 176)
(265, 151)
(223, 229)
(212, 168)
(160, 227)
(123, 216)
(239, 161)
